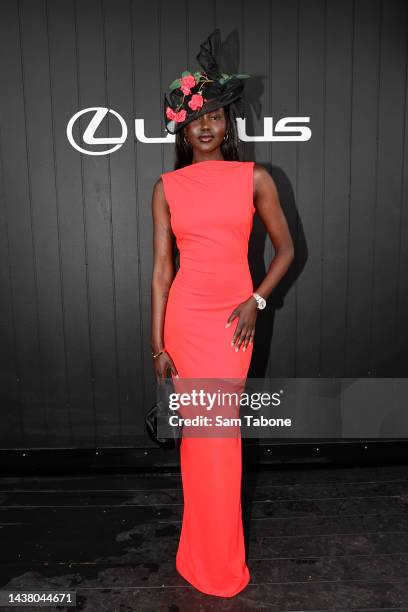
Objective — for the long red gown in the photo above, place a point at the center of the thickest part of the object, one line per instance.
(211, 206)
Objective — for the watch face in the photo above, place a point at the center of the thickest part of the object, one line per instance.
(262, 303)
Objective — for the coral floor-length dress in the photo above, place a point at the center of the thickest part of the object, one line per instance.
(211, 207)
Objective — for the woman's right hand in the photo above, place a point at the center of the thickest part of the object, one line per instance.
(162, 364)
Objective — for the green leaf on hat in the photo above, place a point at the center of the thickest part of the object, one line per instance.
(175, 84)
(242, 76)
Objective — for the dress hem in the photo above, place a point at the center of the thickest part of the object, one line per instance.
(216, 594)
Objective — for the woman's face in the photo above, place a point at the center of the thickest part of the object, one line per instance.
(211, 125)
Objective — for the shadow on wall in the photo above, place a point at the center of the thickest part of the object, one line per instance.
(256, 250)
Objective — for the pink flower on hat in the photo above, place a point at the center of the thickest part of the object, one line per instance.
(181, 115)
(173, 116)
(187, 82)
(196, 102)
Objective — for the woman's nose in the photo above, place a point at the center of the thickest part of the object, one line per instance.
(204, 120)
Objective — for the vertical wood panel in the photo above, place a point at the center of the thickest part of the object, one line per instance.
(257, 57)
(401, 354)
(11, 422)
(63, 67)
(285, 44)
(18, 208)
(41, 174)
(98, 228)
(174, 57)
(125, 225)
(338, 89)
(386, 239)
(147, 84)
(363, 156)
(310, 202)
(199, 24)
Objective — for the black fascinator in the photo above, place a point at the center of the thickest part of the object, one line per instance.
(194, 94)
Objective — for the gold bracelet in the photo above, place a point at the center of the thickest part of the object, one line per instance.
(157, 354)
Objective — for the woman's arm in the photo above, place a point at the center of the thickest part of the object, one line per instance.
(266, 201)
(163, 274)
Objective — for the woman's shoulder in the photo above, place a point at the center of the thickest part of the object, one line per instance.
(260, 172)
(263, 178)
(259, 168)
(158, 186)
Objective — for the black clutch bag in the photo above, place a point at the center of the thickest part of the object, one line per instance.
(157, 421)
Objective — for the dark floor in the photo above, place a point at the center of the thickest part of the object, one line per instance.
(317, 539)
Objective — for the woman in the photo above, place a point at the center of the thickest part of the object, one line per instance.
(207, 203)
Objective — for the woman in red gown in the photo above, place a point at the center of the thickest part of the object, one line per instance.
(203, 319)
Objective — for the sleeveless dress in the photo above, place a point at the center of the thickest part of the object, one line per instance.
(211, 207)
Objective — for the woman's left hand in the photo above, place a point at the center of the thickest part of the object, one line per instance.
(245, 331)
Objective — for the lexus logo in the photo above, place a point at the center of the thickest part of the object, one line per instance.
(89, 134)
(302, 132)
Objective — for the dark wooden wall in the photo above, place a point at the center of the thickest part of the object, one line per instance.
(76, 230)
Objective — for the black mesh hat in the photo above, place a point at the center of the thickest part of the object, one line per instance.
(194, 94)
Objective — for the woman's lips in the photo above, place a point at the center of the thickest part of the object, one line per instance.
(205, 138)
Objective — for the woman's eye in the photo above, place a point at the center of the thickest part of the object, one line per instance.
(216, 116)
